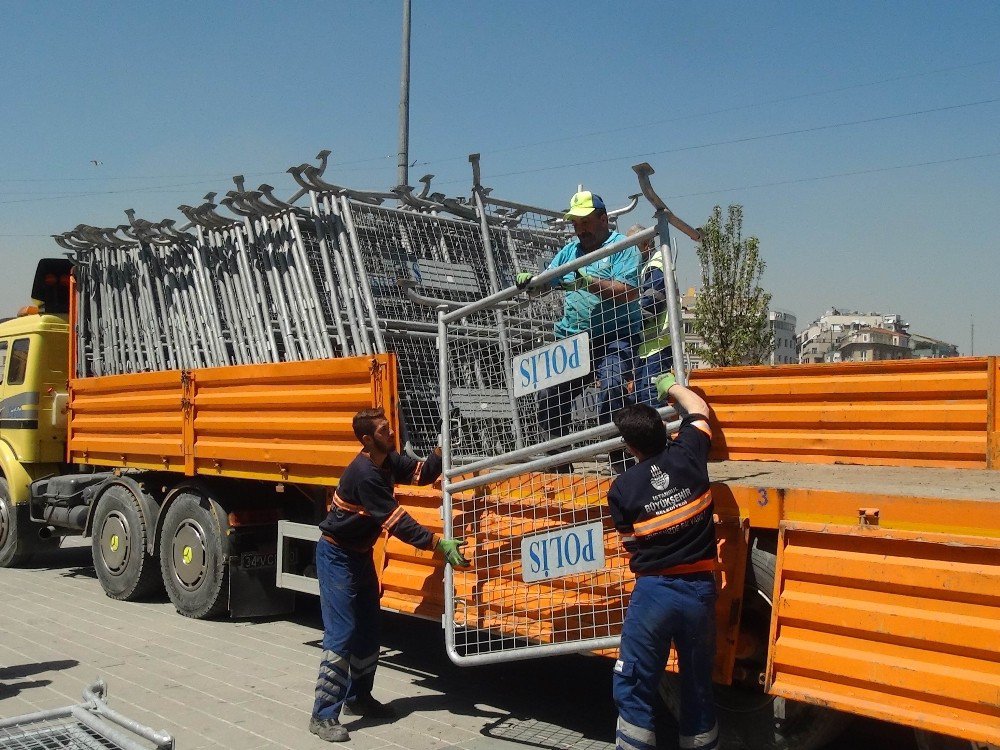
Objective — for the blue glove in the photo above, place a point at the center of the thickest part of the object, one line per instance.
(663, 384)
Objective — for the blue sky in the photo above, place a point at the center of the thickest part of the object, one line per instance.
(863, 139)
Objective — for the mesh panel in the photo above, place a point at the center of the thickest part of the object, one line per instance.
(541, 387)
(54, 735)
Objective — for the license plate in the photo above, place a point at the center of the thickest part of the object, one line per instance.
(254, 560)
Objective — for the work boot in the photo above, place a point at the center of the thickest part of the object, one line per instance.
(329, 730)
(368, 706)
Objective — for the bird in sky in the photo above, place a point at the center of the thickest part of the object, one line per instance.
(96, 163)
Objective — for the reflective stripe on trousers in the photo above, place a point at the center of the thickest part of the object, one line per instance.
(664, 609)
(349, 597)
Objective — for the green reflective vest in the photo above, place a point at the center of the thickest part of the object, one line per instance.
(656, 330)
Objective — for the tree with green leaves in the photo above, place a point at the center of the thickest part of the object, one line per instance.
(730, 311)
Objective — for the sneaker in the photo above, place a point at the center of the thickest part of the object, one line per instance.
(329, 730)
(366, 705)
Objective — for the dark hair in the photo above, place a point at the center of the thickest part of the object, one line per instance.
(366, 421)
(642, 428)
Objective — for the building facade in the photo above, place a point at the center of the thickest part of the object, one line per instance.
(851, 336)
(782, 325)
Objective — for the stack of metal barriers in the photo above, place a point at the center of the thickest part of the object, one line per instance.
(330, 272)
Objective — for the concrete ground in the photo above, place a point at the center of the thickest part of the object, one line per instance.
(248, 685)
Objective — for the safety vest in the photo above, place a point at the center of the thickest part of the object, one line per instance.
(656, 330)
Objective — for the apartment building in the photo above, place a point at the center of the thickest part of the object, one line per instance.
(851, 336)
(786, 348)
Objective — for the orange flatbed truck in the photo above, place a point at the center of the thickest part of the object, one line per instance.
(858, 515)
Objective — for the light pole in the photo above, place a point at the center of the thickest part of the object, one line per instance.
(404, 101)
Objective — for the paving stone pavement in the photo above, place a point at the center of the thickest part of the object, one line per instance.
(249, 684)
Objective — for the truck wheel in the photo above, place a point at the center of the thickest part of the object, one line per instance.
(18, 536)
(194, 548)
(119, 540)
(934, 741)
(750, 719)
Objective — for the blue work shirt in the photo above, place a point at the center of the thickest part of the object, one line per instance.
(607, 320)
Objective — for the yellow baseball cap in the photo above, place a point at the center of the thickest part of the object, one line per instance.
(582, 204)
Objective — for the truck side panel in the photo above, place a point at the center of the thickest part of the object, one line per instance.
(900, 625)
(282, 422)
(133, 421)
(931, 412)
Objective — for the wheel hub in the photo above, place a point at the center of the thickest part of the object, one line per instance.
(188, 551)
(115, 543)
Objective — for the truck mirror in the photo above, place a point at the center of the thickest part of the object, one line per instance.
(51, 285)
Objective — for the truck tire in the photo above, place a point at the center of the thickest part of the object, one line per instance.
(19, 539)
(120, 536)
(934, 741)
(750, 719)
(194, 551)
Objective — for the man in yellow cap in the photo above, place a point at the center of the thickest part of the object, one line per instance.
(600, 299)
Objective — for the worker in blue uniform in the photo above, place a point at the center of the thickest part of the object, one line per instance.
(662, 507)
(361, 508)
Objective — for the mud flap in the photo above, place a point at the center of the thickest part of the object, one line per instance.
(252, 589)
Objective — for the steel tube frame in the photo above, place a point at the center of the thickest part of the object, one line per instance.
(366, 289)
(347, 272)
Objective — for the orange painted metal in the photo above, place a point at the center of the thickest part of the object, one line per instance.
(411, 578)
(906, 413)
(900, 625)
(993, 415)
(127, 421)
(280, 422)
(585, 605)
(767, 507)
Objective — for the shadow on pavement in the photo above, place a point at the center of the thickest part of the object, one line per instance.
(26, 670)
(12, 689)
(20, 671)
(545, 703)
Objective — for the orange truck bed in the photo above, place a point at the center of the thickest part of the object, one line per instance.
(279, 422)
(878, 481)
(887, 585)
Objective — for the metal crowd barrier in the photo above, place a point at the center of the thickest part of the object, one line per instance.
(343, 274)
(87, 726)
(548, 571)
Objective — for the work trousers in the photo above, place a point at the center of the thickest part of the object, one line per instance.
(612, 369)
(647, 369)
(349, 597)
(664, 609)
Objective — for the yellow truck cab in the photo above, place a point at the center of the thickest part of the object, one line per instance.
(34, 357)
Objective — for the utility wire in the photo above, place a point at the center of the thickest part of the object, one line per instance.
(678, 118)
(535, 170)
(725, 110)
(838, 174)
(815, 178)
(746, 139)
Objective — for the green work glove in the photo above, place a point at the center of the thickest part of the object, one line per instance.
(663, 383)
(452, 550)
(580, 281)
(523, 279)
